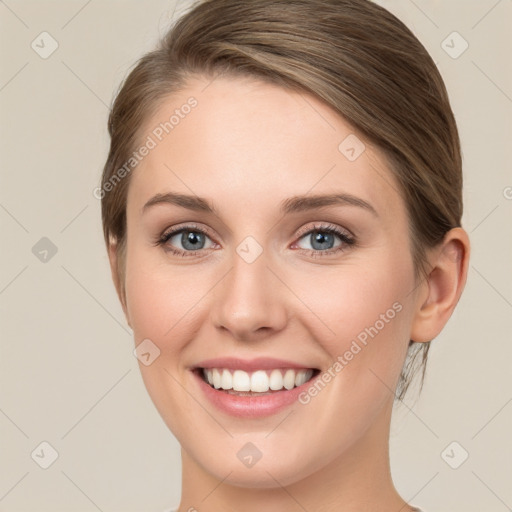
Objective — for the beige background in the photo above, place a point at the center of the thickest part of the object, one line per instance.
(67, 372)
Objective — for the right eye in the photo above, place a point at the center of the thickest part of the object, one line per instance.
(191, 238)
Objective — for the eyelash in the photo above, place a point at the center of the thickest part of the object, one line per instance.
(347, 241)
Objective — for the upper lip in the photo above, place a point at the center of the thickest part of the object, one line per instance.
(260, 363)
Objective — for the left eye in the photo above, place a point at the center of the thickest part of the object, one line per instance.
(321, 240)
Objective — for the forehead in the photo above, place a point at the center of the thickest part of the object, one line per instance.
(249, 144)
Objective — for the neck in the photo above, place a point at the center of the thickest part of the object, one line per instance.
(359, 479)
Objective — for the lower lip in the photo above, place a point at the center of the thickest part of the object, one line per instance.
(250, 406)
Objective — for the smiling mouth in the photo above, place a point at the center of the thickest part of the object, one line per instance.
(256, 383)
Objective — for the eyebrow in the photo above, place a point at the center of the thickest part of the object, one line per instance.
(304, 203)
(195, 203)
(293, 204)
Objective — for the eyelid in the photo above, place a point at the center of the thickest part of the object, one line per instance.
(186, 226)
(318, 226)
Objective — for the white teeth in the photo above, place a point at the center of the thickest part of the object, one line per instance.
(241, 381)
(303, 377)
(216, 378)
(260, 381)
(289, 379)
(227, 380)
(276, 380)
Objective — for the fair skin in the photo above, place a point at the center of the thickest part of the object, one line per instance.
(245, 148)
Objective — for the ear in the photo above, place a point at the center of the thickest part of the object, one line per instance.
(441, 291)
(117, 276)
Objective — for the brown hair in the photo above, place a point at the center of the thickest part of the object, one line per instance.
(352, 54)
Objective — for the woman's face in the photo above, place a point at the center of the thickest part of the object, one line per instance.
(301, 267)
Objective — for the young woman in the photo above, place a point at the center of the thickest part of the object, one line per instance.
(282, 209)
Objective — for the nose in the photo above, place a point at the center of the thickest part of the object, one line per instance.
(250, 301)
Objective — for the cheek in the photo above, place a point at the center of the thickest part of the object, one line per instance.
(363, 316)
(160, 300)
(163, 305)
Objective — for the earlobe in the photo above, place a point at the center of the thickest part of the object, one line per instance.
(444, 285)
(115, 267)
